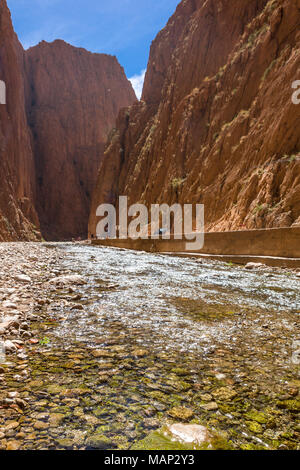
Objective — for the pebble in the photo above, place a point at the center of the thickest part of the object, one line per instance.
(13, 445)
(251, 266)
(212, 406)
(22, 278)
(40, 425)
(9, 346)
(8, 304)
(66, 280)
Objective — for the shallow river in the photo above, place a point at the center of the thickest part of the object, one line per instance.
(157, 339)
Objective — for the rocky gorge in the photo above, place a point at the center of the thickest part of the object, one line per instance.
(62, 103)
(103, 348)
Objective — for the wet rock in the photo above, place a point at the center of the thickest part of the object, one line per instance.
(254, 427)
(99, 442)
(181, 413)
(78, 412)
(75, 392)
(77, 307)
(252, 266)
(13, 445)
(291, 405)
(257, 416)
(150, 412)
(23, 278)
(40, 425)
(220, 376)
(212, 406)
(293, 392)
(151, 423)
(26, 334)
(205, 397)
(22, 356)
(224, 394)
(78, 437)
(21, 403)
(189, 433)
(67, 280)
(91, 420)
(8, 304)
(55, 419)
(9, 346)
(182, 437)
(140, 352)
(103, 378)
(101, 353)
(11, 425)
(13, 323)
(65, 443)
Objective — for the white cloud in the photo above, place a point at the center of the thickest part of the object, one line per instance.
(137, 82)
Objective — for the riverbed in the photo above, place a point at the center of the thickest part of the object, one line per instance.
(142, 340)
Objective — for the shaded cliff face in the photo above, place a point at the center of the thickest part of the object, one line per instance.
(72, 101)
(61, 104)
(18, 219)
(216, 124)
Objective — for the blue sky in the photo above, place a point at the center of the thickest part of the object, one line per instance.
(124, 28)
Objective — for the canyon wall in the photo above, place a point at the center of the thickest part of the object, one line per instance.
(216, 123)
(73, 99)
(62, 102)
(18, 218)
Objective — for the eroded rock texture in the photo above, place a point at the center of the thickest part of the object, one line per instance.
(216, 123)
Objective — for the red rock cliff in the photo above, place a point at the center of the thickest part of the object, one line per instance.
(61, 104)
(18, 219)
(73, 98)
(216, 123)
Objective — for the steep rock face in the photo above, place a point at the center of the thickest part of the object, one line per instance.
(18, 219)
(72, 101)
(216, 123)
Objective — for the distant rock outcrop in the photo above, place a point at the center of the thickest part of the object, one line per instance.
(216, 123)
(73, 99)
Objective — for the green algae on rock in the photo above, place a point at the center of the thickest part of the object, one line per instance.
(100, 442)
(183, 437)
(181, 412)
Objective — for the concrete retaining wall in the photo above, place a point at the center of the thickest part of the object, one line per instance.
(281, 242)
